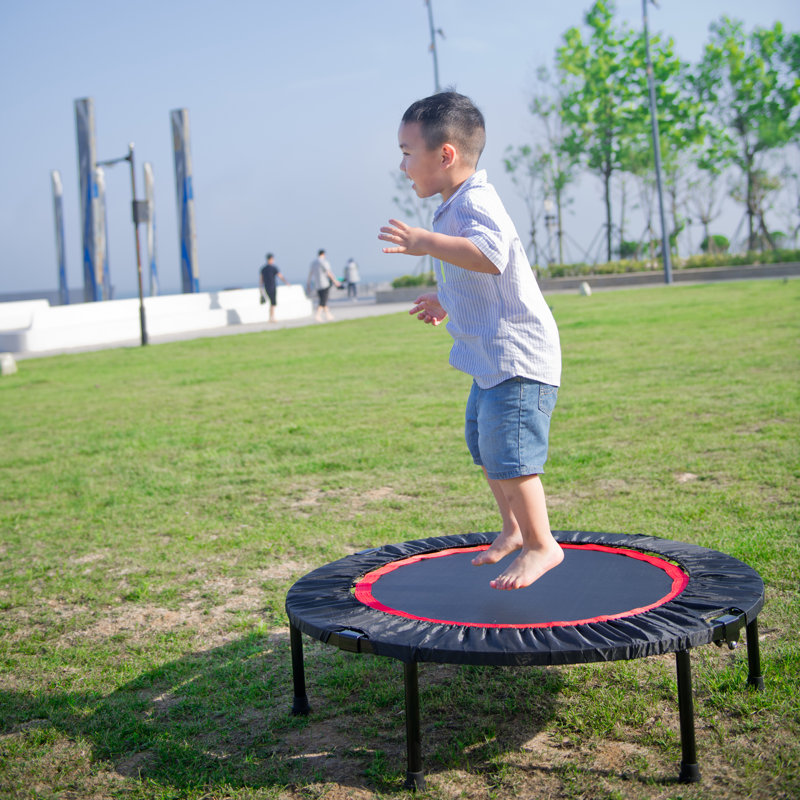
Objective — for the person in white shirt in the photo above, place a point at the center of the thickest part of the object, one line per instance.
(321, 278)
(351, 278)
(504, 333)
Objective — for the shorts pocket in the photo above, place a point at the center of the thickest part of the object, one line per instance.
(547, 398)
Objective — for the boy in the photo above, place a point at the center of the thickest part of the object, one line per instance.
(504, 334)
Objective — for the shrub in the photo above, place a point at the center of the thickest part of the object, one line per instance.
(718, 244)
(628, 249)
(404, 281)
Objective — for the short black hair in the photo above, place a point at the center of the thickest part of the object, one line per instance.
(449, 117)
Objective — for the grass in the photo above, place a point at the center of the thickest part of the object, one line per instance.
(157, 503)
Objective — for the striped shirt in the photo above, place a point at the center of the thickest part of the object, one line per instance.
(501, 325)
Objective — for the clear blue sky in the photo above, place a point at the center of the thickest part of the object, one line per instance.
(294, 108)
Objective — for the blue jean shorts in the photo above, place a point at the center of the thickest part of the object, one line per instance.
(508, 426)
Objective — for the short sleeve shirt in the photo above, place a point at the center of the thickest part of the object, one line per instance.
(318, 274)
(501, 324)
(268, 273)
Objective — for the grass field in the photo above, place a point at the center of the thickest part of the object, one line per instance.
(157, 503)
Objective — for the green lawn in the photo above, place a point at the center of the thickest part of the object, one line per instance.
(157, 503)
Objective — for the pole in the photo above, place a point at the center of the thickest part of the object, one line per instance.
(656, 149)
(138, 248)
(433, 47)
(58, 212)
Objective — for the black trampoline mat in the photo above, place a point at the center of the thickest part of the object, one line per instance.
(594, 583)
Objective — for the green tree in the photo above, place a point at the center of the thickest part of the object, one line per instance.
(752, 83)
(602, 105)
(681, 126)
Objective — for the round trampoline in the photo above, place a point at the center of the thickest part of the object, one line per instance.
(615, 596)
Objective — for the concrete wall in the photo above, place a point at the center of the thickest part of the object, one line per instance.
(36, 326)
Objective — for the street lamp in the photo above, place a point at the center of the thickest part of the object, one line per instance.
(140, 211)
(434, 31)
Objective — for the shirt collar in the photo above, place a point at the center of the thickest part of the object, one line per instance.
(478, 178)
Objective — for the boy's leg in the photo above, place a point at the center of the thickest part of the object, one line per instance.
(510, 537)
(540, 551)
(506, 430)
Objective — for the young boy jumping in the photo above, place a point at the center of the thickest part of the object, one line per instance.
(504, 334)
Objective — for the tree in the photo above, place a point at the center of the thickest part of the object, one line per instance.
(751, 83)
(705, 198)
(558, 163)
(420, 210)
(681, 126)
(526, 169)
(601, 104)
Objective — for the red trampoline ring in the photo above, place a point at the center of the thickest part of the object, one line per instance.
(615, 596)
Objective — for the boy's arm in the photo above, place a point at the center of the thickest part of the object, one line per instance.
(420, 242)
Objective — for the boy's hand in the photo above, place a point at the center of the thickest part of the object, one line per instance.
(428, 309)
(408, 240)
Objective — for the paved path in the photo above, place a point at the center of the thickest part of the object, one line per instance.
(343, 309)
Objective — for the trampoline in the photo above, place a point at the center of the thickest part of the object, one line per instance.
(614, 597)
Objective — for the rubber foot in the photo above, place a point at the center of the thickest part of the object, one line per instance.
(690, 773)
(415, 781)
(300, 706)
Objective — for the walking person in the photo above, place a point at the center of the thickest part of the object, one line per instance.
(267, 285)
(321, 278)
(351, 278)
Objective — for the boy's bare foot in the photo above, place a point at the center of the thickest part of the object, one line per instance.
(504, 544)
(528, 567)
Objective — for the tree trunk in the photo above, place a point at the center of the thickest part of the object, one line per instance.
(607, 181)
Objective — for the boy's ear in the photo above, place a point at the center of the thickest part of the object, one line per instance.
(448, 155)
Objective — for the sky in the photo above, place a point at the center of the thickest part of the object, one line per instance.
(294, 109)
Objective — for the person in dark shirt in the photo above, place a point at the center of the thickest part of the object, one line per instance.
(269, 272)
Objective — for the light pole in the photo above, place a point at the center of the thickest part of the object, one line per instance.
(656, 147)
(139, 210)
(433, 46)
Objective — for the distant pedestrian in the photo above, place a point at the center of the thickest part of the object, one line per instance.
(351, 278)
(321, 279)
(269, 272)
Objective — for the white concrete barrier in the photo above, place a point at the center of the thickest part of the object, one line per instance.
(18, 313)
(36, 326)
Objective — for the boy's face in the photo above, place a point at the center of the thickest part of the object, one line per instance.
(423, 167)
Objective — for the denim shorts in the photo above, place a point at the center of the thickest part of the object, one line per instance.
(508, 425)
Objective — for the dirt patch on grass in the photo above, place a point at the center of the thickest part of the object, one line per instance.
(209, 608)
(349, 502)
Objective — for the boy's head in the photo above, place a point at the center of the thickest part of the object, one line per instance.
(449, 117)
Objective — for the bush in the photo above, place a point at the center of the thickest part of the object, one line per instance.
(778, 256)
(581, 269)
(718, 244)
(628, 249)
(404, 281)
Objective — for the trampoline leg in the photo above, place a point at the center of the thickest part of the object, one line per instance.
(415, 779)
(754, 677)
(300, 703)
(690, 772)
